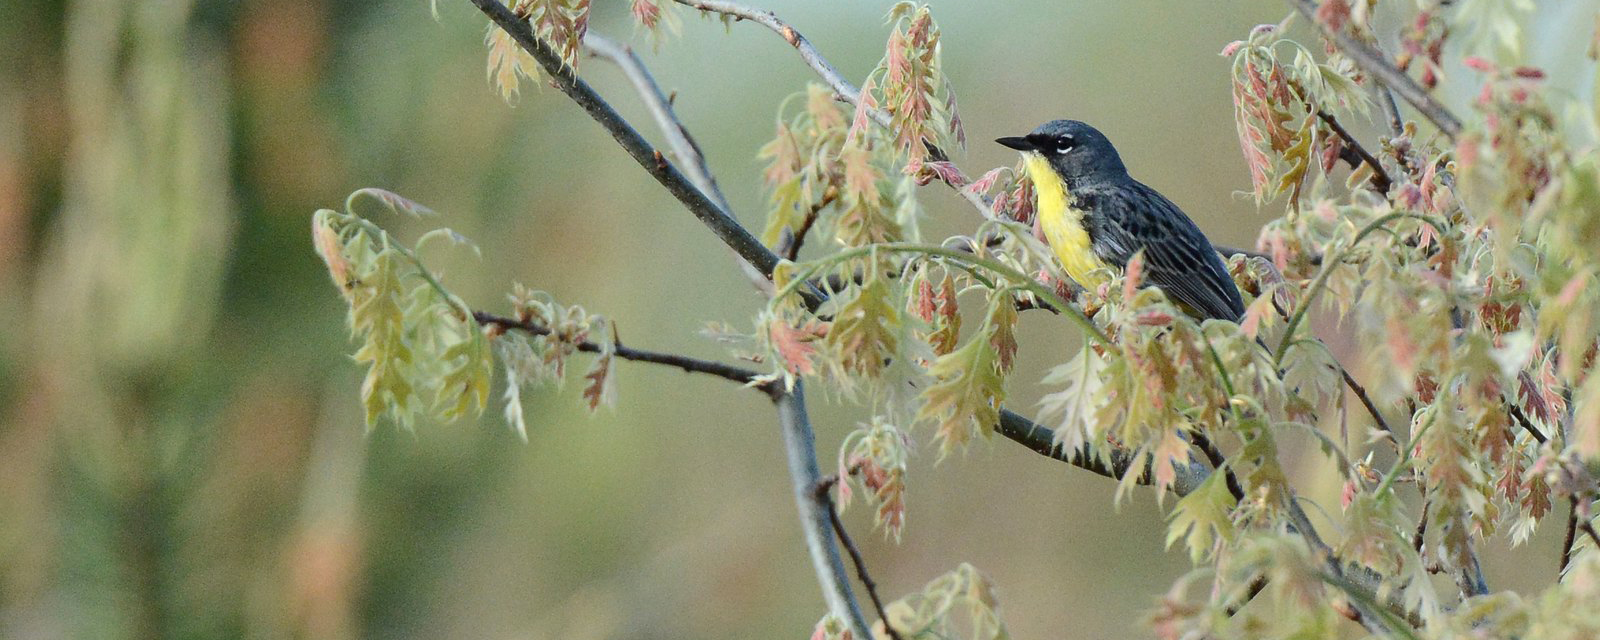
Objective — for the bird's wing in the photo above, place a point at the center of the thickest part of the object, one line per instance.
(1177, 256)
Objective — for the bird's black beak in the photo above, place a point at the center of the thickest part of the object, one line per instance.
(1020, 144)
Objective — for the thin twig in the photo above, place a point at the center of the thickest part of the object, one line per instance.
(1588, 530)
(1236, 251)
(686, 363)
(822, 495)
(1255, 589)
(683, 145)
(1391, 112)
(1422, 527)
(1218, 461)
(1527, 425)
(1571, 537)
(1377, 65)
(719, 220)
(1380, 178)
(1355, 387)
(790, 248)
(1366, 401)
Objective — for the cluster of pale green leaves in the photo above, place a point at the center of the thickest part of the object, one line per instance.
(958, 604)
(1279, 88)
(426, 352)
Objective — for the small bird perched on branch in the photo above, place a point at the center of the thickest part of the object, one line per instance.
(1095, 216)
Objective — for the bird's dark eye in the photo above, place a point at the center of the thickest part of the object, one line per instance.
(1064, 144)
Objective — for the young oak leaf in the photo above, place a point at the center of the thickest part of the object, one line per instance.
(507, 63)
(600, 386)
(465, 385)
(863, 331)
(1171, 452)
(386, 351)
(1203, 518)
(793, 345)
(965, 396)
(934, 609)
(1002, 327)
(1078, 404)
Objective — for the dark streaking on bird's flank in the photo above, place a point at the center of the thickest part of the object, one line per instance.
(1096, 217)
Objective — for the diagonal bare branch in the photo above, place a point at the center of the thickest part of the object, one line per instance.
(718, 219)
(796, 425)
(1374, 62)
(684, 148)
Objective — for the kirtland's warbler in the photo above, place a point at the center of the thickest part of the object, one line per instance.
(1096, 217)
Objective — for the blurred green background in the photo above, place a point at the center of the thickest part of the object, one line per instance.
(182, 453)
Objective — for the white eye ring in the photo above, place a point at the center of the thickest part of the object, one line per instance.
(1064, 144)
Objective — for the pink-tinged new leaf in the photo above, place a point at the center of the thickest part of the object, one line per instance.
(923, 304)
(860, 176)
(646, 13)
(864, 106)
(1259, 308)
(600, 384)
(956, 129)
(945, 171)
(947, 321)
(1132, 274)
(1002, 330)
(1171, 452)
(891, 495)
(395, 203)
(1251, 138)
(1334, 14)
(1477, 63)
(986, 182)
(329, 245)
(794, 345)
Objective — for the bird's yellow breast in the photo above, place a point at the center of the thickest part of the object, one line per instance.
(1062, 225)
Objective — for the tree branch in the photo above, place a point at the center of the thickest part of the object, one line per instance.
(1376, 64)
(690, 365)
(1380, 178)
(718, 219)
(1366, 401)
(821, 493)
(1571, 537)
(816, 513)
(1042, 440)
(684, 148)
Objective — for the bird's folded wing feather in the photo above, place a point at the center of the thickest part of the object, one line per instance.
(1177, 256)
